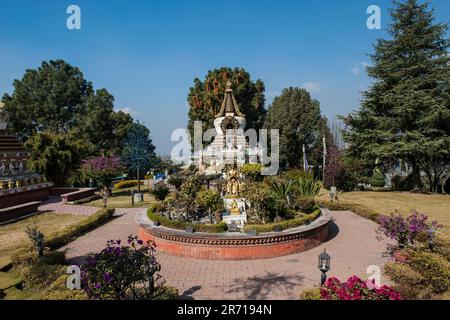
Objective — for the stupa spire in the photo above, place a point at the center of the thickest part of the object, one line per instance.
(229, 106)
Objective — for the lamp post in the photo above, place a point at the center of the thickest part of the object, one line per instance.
(324, 266)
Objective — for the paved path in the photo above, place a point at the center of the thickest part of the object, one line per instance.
(55, 204)
(352, 246)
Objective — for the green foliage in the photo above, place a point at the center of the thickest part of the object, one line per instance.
(281, 191)
(310, 294)
(408, 282)
(298, 118)
(205, 97)
(209, 200)
(403, 116)
(26, 257)
(433, 267)
(66, 119)
(356, 208)
(181, 225)
(40, 274)
(176, 180)
(61, 238)
(56, 156)
(259, 196)
(252, 171)
(139, 152)
(161, 192)
(377, 179)
(286, 224)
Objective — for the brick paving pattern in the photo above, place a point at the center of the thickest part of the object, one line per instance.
(352, 245)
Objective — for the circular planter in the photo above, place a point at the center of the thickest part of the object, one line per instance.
(235, 246)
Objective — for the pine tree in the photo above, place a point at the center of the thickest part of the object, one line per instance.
(405, 114)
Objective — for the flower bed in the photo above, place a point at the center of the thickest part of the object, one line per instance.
(181, 225)
(287, 224)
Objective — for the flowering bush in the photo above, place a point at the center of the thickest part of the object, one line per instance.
(356, 289)
(103, 169)
(123, 272)
(406, 231)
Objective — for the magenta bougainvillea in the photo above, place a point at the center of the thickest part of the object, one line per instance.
(406, 230)
(356, 289)
(103, 169)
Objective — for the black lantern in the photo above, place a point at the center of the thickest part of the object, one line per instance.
(324, 265)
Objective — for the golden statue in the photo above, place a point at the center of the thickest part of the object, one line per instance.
(233, 184)
(234, 209)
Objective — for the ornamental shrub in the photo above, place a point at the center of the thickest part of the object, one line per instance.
(377, 179)
(126, 184)
(356, 289)
(161, 192)
(433, 267)
(410, 283)
(252, 171)
(123, 272)
(406, 230)
(310, 294)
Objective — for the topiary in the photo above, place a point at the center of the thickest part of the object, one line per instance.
(378, 179)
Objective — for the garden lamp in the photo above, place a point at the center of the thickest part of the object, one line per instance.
(324, 265)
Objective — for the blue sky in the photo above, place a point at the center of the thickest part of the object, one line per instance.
(147, 53)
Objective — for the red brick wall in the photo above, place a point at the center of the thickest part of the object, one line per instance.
(244, 252)
(14, 199)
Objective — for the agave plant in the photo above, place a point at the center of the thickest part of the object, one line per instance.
(282, 190)
(308, 187)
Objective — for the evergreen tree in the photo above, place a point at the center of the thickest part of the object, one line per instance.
(298, 118)
(205, 97)
(405, 114)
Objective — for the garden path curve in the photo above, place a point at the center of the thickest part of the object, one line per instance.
(352, 245)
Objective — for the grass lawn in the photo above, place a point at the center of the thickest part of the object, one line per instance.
(436, 206)
(121, 198)
(13, 237)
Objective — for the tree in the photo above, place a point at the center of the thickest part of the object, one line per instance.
(405, 114)
(56, 100)
(209, 200)
(139, 151)
(205, 97)
(56, 156)
(259, 196)
(103, 169)
(252, 171)
(298, 118)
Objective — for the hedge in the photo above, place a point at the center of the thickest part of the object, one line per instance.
(181, 225)
(61, 238)
(356, 208)
(287, 224)
(126, 184)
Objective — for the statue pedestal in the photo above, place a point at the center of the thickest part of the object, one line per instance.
(235, 216)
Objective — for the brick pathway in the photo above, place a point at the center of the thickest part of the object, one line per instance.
(55, 204)
(352, 246)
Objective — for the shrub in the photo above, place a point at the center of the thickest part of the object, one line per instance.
(356, 289)
(252, 171)
(37, 238)
(286, 224)
(61, 238)
(160, 192)
(405, 231)
(26, 257)
(377, 179)
(40, 275)
(410, 283)
(58, 290)
(181, 225)
(126, 184)
(434, 268)
(310, 294)
(356, 208)
(123, 272)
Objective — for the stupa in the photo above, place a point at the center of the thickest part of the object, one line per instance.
(18, 185)
(229, 147)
